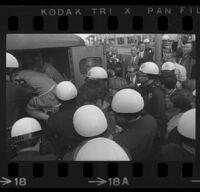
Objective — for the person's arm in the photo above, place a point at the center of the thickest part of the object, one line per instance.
(183, 75)
(158, 103)
(37, 114)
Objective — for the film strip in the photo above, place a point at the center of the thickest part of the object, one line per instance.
(106, 20)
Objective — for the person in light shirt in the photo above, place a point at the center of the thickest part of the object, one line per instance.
(180, 70)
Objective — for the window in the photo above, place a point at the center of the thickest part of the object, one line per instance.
(132, 40)
(120, 41)
(86, 63)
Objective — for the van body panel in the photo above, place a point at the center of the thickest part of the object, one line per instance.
(78, 54)
(38, 41)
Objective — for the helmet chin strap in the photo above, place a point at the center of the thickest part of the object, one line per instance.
(147, 82)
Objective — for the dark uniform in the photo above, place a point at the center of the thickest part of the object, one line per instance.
(138, 137)
(148, 56)
(16, 99)
(174, 152)
(60, 130)
(154, 104)
(34, 156)
(174, 137)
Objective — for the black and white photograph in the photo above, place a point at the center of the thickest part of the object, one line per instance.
(100, 97)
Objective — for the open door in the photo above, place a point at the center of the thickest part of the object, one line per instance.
(83, 58)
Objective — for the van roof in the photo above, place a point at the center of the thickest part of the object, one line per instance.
(37, 41)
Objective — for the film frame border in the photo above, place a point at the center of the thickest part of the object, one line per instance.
(51, 25)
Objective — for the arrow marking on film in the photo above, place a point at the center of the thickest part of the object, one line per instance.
(5, 181)
(99, 181)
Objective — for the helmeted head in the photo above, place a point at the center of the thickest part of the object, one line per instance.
(168, 66)
(194, 93)
(101, 149)
(147, 70)
(187, 124)
(66, 90)
(24, 130)
(127, 101)
(89, 121)
(165, 37)
(11, 61)
(97, 73)
(146, 41)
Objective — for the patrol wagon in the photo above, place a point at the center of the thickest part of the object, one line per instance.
(72, 58)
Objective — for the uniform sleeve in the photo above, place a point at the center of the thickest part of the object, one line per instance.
(158, 106)
(49, 131)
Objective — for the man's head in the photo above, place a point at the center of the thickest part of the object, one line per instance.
(133, 51)
(187, 48)
(173, 58)
(91, 92)
(182, 99)
(141, 46)
(168, 80)
(116, 84)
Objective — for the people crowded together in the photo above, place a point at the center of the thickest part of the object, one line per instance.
(135, 111)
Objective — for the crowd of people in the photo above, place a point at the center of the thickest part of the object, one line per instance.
(147, 114)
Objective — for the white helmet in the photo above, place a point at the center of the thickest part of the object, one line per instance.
(66, 90)
(168, 66)
(187, 124)
(11, 61)
(165, 37)
(97, 73)
(127, 101)
(149, 68)
(89, 121)
(194, 93)
(101, 149)
(146, 41)
(25, 129)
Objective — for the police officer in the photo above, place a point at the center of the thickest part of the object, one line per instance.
(101, 149)
(148, 50)
(97, 74)
(153, 94)
(16, 96)
(139, 131)
(170, 69)
(88, 121)
(26, 135)
(60, 129)
(185, 150)
(95, 92)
